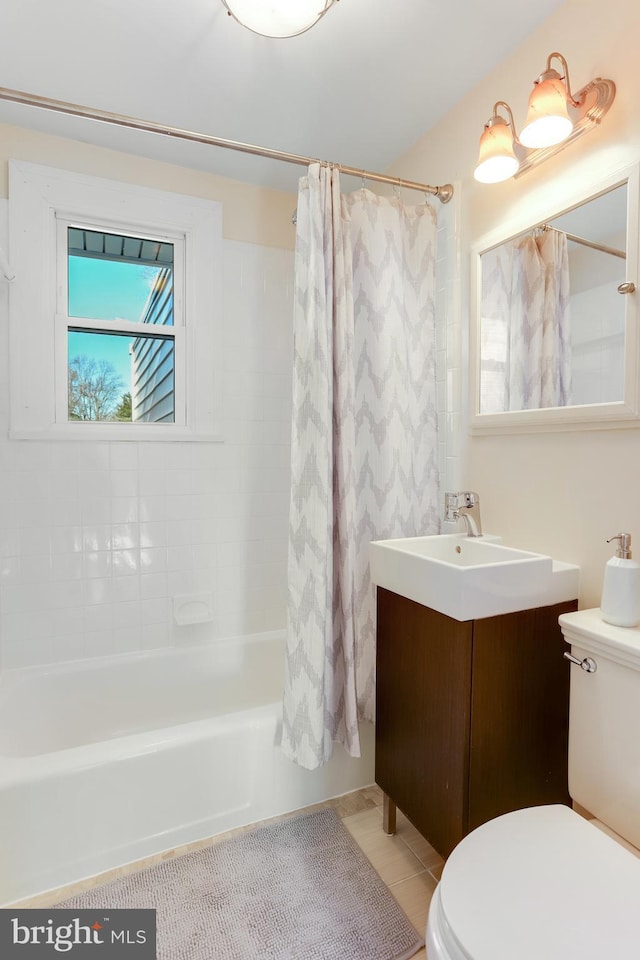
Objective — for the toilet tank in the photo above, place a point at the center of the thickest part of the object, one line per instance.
(604, 721)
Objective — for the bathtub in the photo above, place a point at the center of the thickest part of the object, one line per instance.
(106, 761)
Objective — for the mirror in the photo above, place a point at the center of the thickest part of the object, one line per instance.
(554, 342)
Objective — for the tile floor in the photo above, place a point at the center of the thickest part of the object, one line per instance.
(409, 866)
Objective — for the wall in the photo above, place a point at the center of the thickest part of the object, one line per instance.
(597, 325)
(251, 213)
(97, 538)
(562, 493)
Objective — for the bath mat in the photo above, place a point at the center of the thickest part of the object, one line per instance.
(299, 889)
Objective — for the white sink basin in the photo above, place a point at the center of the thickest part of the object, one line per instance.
(468, 578)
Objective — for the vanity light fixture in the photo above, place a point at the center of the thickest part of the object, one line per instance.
(278, 18)
(555, 118)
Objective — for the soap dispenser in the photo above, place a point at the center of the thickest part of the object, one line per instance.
(620, 602)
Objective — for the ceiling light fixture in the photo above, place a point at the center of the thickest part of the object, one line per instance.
(278, 18)
(555, 119)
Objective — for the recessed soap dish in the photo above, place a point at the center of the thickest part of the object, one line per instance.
(193, 608)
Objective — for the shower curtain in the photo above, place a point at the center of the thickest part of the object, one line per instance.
(364, 454)
(526, 329)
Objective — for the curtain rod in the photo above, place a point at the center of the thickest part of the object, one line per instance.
(588, 243)
(443, 192)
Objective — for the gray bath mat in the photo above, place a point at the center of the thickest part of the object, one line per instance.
(300, 889)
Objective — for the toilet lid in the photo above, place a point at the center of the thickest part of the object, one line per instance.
(541, 884)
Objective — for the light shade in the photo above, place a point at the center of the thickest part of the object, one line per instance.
(278, 18)
(548, 120)
(497, 160)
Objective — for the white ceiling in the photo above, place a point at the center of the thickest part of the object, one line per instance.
(360, 88)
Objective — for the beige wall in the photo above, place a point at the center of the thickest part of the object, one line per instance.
(561, 493)
(252, 214)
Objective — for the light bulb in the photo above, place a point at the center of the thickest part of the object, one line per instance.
(496, 169)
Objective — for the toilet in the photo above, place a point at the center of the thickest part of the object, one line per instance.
(544, 883)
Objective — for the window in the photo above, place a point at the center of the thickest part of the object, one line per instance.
(120, 313)
(115, 317)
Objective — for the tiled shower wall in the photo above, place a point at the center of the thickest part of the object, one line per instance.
(97, 538)
(448, 351)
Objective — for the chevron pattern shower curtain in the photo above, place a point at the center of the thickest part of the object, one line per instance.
(526, 324)
(364, 455)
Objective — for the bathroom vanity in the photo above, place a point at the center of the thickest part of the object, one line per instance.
(471, 715)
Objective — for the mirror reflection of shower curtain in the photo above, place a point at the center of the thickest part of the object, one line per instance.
(526, 325)
(364, 443)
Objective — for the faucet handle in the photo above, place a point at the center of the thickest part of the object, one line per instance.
(466, 498)
(450, 506)
(464, 506)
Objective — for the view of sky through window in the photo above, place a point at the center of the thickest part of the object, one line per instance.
(108, 290)
(101, 363)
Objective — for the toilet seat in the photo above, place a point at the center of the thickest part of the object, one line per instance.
(537, 884)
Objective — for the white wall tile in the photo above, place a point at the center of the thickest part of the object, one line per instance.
(96, 538)
(98, 643)
(126, 639)
(125, 589)
(154, 635)
(126, 614)
(123, 456)
(154, 586)
(68, 622)
(68, 647)
(108, 533)
(448, 354)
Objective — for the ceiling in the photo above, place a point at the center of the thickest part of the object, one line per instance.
(360, 88)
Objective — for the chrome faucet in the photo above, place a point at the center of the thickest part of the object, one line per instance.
(465, 506)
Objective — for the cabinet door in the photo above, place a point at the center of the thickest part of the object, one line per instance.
(519, 713)
(423, 688)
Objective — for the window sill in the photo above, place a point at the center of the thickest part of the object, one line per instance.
(117, 433)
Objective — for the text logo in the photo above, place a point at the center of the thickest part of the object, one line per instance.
(79, 934)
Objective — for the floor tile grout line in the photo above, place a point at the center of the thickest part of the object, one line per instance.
(426, 866)
(397, 883)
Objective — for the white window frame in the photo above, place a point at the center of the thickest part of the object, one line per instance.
(40, 200)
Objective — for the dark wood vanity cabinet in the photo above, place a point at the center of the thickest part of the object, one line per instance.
(471, 717)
